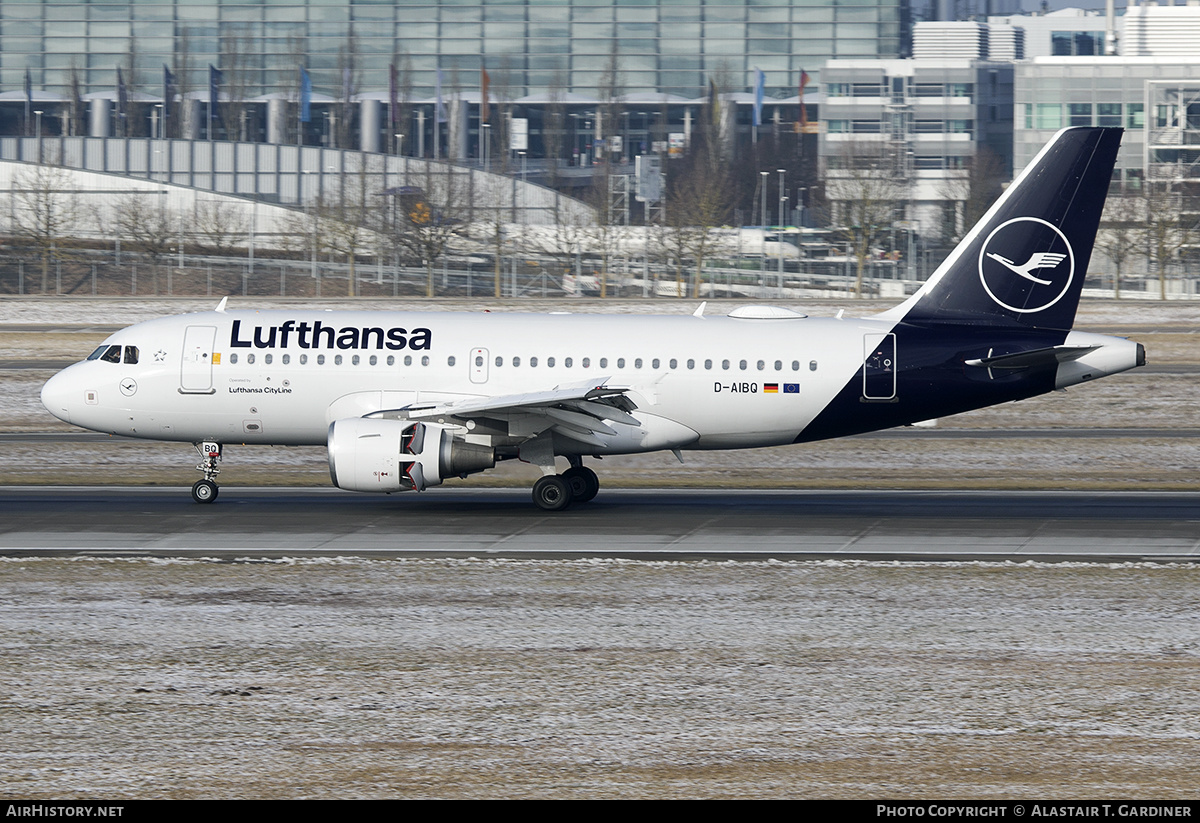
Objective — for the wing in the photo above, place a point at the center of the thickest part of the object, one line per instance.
(576, 410)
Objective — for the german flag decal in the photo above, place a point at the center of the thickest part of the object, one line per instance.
(770, 388)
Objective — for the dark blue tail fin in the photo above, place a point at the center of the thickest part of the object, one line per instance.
(1024, 262)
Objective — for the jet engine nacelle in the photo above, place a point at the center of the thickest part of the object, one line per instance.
(372, 455)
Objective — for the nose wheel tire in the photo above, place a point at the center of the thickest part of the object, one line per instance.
(552, 493)
(583, 482)
(204, 491)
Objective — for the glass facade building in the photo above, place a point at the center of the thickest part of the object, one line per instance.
(527, 46)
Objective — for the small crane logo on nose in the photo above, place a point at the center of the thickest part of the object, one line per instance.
(128, 387)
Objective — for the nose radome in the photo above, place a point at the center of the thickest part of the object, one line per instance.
(57, 396)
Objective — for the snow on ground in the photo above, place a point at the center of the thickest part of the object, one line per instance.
(350, 678)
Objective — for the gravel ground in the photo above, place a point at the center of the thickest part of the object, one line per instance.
(352, 678)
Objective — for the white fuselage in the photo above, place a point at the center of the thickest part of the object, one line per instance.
(721, 382)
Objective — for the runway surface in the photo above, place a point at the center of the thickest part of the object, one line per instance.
(643, 524)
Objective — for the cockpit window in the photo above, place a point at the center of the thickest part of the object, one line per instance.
(96, 354)
(113, 355)
(131, 355)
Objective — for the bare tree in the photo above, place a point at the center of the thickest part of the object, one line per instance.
(500, 91)
(236, 82)
(866, 188)
(554, 125)
(698, 201)
(145, 223)
(345, 220)
(349, 78)
(1121, 234)
(426, 221)
(216, 224)
(402, 117)
(603, 237)
(564, 239)
(986, 176)
(610, 90)
(1167, 227)
(76, 116)
(45, 211)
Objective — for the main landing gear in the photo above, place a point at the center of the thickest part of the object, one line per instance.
(205, 491)
(555, 492)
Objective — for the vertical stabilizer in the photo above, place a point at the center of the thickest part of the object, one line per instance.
(1024, 262)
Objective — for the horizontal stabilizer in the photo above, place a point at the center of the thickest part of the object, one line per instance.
(1030, 359)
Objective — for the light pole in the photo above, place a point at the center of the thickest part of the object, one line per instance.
(801, 197)
(39, 134)
(762, 216)
(779, 234)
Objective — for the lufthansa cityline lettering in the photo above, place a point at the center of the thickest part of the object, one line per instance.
(317, 335)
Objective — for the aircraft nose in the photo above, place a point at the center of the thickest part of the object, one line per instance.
(57, 395)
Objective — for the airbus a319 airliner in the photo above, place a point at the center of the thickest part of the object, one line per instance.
(404, 400)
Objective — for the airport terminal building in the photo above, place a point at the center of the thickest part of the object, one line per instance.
(58, 58)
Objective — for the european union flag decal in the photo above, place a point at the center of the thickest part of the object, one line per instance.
(791, 388)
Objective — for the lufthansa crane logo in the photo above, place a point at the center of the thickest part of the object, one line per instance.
(1026, 265)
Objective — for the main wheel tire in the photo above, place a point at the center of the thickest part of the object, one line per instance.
(552, 493)
(204, 491)
(584, 483)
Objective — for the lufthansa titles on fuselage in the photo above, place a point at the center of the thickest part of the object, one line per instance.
(317, 335)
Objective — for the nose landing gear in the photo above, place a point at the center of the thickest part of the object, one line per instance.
(205, 491)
